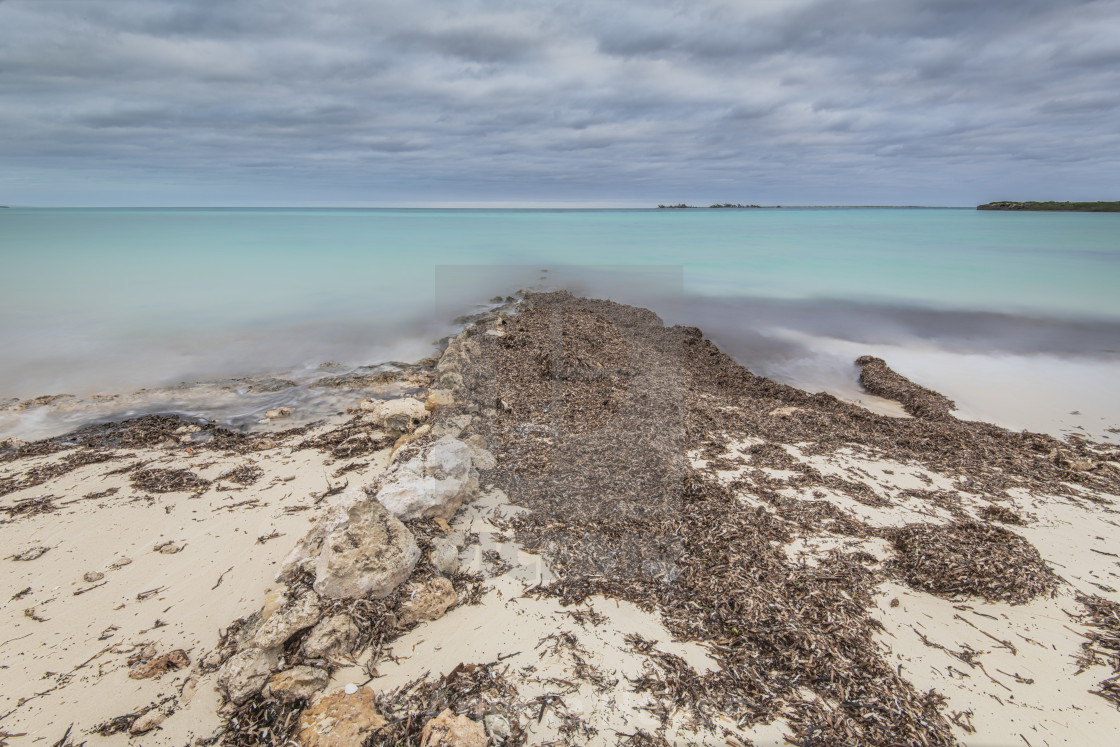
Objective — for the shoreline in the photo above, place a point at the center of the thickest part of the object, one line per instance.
(649, 525)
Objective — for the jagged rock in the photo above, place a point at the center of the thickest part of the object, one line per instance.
(333, 636)
(452, 380)
(396, 414)
(438, 398)
(297, 683)
(444, 555)
(432, 484)
(285, 622)
(147, 721)
(279, 412)
(429, 601)
(452, 426)
(340, 720)
(481, 458)
(447, 729)
(246, 672)
(358, 550)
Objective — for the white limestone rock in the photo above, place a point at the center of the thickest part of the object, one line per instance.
(432, 484)
(358, 550)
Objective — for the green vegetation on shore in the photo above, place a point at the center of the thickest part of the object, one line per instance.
(1071, 207)
(682, 206)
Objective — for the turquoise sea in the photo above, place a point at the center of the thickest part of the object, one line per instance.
(118, 299)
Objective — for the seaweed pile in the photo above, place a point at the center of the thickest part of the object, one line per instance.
(105, 442)
(970, 558)
(878, 378)
(591, 407)
(1103, 645)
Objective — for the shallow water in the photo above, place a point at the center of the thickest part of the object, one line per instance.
(969, 302)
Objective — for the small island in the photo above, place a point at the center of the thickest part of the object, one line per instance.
(1066, 207)
(682, 206)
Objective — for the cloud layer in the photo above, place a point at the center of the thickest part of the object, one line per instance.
(352, 101)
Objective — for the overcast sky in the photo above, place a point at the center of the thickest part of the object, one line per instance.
(612, 102)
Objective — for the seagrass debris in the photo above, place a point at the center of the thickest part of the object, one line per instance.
(878, 378)
(591, 406)
(970, 558)
(1103, 644)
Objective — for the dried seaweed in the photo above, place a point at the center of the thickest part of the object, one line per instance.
(471, 690)
(970, 558)
(1103, 645)
(245, 474)
(39, 475)
(878, 378)
(26, 507)
(168, 481)
(354, 438)
(1002, 514)
(598, 458)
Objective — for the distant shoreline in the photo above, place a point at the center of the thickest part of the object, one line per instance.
(1054, 207)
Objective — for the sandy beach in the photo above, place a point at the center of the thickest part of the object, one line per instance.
(575, 526)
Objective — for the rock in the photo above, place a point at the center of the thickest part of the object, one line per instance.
(496, 332)
(452, 380)
(147, 722)
(332, 637)
(444, 556)
(282, 624)
(279, 412)
(438, 398)
(497, 726)
(340, 720)
(246, 673)
(432, 484)
(784, 412)
(399, 414)
(429, 601)
(155, 666)
(167, 548)
(481, 458)
(358, 549)
(92, 576)
(447, 729)
(297, 683)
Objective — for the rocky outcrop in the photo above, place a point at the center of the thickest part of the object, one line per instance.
(447, 729)
(444, 553)
(482, 459)
(340, 720)
(398, 415)
(297, 683)
(333, 637)
(285, 622)
(358, 550)
(246, 672)
(429, 601)
(431, 484)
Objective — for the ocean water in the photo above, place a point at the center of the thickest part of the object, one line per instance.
(1014, 315)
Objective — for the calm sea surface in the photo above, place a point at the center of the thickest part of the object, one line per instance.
(983, 304)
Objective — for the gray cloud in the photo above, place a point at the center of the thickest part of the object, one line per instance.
(877, 101)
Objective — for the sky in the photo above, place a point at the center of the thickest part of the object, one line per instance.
(522, 102)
